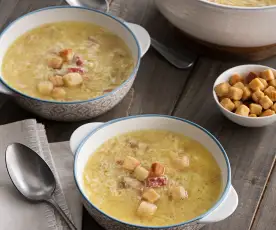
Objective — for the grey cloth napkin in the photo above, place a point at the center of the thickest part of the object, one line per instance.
(16, 213)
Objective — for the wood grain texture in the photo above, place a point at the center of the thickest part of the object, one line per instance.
(160, 88)
(251, 151)
(265, 218)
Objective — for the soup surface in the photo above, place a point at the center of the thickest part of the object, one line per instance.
(249, 3)
(67, 61)
(152, 178)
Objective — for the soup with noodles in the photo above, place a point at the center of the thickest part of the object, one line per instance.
(152, 178)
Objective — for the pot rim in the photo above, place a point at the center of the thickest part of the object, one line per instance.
(240, 8)
(218, 202)
(131, 76)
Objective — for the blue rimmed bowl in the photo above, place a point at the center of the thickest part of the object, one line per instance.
(87, 138)
(135, 37)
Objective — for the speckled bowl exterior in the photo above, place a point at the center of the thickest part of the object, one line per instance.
(74, 111)
(110, 224)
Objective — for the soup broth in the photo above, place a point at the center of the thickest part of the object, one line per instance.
(152, 178)
(67, 61)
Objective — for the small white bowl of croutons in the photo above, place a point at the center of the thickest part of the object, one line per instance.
(246, 95)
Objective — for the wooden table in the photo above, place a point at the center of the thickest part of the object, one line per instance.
(160, 88)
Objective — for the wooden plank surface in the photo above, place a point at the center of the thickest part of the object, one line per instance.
(160, 88)
(265, 218)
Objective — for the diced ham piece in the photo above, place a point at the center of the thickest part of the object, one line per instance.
(75, 70)
(155, 182)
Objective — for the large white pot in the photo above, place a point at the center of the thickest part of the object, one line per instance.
(222, 25)
(87, 138)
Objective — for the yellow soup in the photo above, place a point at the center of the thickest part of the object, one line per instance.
(67, 61)
(152, 178)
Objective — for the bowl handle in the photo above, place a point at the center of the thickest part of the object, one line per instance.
(80, 133)
(142, 36)
(224, 210)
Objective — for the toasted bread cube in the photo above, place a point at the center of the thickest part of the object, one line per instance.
(222, 89)
(227, 104)
(237, 104)
(268, 90)
(178, 193)
(255, 109)
(45, 87)
(265, 102)
(72, 79)
(246, 93)
(58, 93)
(130, 163)
(141, 173)
(242, 110)
(272, 83)
(274, 107)
(267, 75)
(235, 93)
(256, 84)
(55, 62)
(250, 77)
(252, 115)
(157, 169)
(56, 80)
(133, 183)
(272, 96)
(264, 82)
(268, 112)
(67, 55)
(257, 95)
(235, 78)
(239, 85)
(151, 195)
(146, 209)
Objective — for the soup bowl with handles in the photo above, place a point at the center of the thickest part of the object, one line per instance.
(87, 138)
(135, 37)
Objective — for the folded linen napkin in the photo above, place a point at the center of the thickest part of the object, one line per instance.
(16, 213)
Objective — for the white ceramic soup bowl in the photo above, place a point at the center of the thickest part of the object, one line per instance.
(243, 70)
(135, 37)
(230, 26)
(87, 138)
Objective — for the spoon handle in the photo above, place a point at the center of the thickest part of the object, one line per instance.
(64, 216)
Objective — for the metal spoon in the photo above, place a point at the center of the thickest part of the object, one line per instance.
(183, 60)
(32, 176)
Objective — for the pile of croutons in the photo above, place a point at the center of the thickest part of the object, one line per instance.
(252, 96)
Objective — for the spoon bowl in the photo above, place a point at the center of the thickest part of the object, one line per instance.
(29, 173)
(32, 176)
